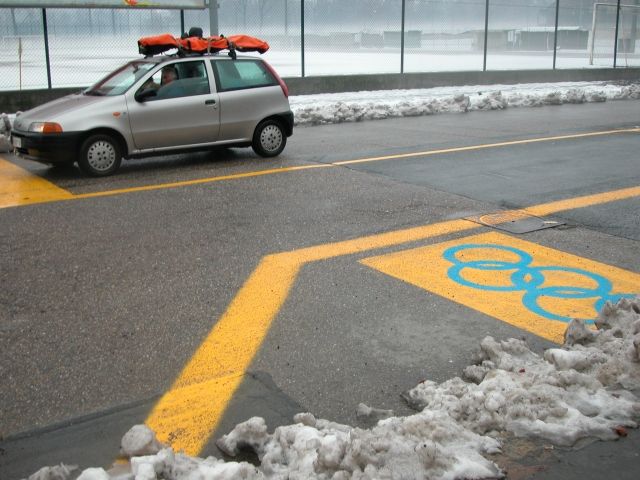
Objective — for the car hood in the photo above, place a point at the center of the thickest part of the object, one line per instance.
(56, 109)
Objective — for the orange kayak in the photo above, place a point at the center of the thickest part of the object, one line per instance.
(157, 44)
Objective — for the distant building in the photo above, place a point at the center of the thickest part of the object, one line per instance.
(533, 39)
(541, 38)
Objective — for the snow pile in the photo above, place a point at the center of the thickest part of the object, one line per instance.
(140, 440)
(582, 390)
(573, 393)
(57, 472)
(429, 442)
(359, 106)
(366, 413)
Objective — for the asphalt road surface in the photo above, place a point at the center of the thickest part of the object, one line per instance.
(110, 288)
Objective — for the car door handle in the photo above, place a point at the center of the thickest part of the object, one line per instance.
(209, 102)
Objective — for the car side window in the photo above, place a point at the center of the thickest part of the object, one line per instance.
(176, 80)
(241, 74)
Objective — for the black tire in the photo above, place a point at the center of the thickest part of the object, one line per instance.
(269, 139)
(100, 155)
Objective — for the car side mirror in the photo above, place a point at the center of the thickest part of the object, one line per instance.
(144, 95)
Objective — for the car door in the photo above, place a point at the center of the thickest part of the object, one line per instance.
(248, 92)
(182, 113)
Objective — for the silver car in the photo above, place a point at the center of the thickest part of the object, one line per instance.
(160, 105)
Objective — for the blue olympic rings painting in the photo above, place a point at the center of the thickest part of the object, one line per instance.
(529, 279)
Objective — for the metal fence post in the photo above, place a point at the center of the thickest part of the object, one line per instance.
(182, 22)
(302, 33)
(555, 35)
(486, 35)
(286, 19)
(213, 17)
(592, 37)
(13, 21)
(46, 46)
(615, 45)
(402, 38)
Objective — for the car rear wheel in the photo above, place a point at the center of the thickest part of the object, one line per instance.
(269, 139)
(100, 155)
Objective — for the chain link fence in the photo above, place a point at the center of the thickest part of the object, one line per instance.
(615, 31)
(22, 49)
(52, 48)
(440, 36)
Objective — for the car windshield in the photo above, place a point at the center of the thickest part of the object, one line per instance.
(120, 80)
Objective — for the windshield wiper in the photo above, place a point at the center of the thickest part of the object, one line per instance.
(94, 93)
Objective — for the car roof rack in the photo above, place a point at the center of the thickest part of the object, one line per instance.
(194, 44)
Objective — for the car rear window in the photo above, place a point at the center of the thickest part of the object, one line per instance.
(241, 74)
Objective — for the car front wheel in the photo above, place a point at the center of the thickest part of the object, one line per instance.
(269, 139)
(100, 155)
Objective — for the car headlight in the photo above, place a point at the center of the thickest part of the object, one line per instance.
(45, 127)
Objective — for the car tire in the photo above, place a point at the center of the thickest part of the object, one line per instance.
(269, 139)
(100, 155)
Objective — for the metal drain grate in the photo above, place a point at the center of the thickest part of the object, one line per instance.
(514, 221)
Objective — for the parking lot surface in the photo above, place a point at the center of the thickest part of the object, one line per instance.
(195, 291)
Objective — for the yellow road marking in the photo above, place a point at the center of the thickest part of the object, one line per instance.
(585, 201)
(496, 218)
(60, 194)
(426, 268)
(19, 187)
(187, 414)
(190, 411)
(488, 145)
(388, 239)
(200, 181)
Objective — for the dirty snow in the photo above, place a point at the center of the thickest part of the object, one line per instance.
(571, 393)
(139, 440)
(56, 472)
(375, 105)
(579, 391)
